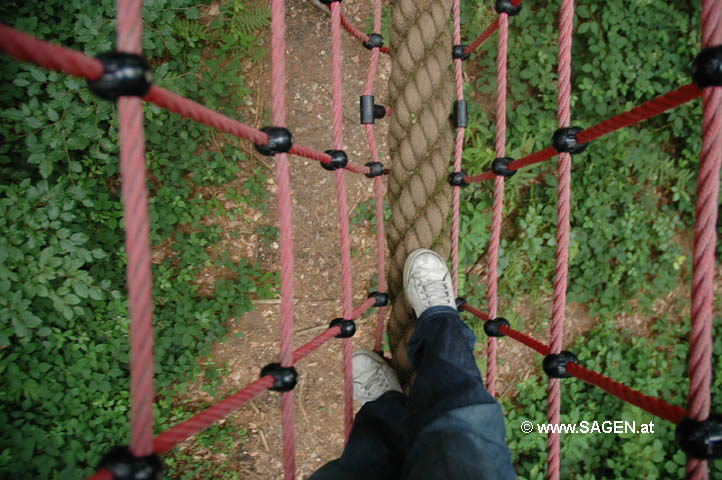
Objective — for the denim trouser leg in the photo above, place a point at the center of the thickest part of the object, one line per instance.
(377, 445)
(455, 428)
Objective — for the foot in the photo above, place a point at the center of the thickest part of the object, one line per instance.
(372, 376)
(427, 281)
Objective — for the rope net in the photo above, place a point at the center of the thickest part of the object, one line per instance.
(132, 167)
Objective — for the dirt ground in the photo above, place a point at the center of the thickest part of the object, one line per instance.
(254, 339)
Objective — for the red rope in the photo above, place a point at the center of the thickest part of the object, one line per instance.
(53, 57)
(525, 339)
(102, 475)
(180, 432)
(564, 167)
(649, 404)
(137, 242)
(493, 27)
(315, 343)
(285, 227)
(355, 32)
(645, 111)
(343, 222)
(703, 256)
(474, 311)
(458, 150)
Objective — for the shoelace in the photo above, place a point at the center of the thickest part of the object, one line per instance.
(433, 290)
(375, 382)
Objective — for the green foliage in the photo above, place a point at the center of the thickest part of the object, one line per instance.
(631, 191)
(655, 366)
(63, 299)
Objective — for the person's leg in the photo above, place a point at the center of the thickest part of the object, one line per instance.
(456, 426)
(378, 442)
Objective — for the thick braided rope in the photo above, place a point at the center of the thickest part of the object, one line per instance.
(703, 263)
(135, 207)
(420, 144)
(500, 151)
(458, 150)
(564, 166)
(285, 227)
(342, 204)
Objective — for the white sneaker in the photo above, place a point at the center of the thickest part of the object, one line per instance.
(427, 281)
(372, 376)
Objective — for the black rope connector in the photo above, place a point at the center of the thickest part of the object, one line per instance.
(376, 169)
(125, 466)
(329, 2)
(456, 179)
(702, 440)
(279, 141)
(565, 140)
(555, 365)
(460, 301)
(505, 6)
(338, 160)
(284, 378)
(707, 67)
(492, 327)
(375, 41)
(348, 327)
(459, 52)
(382, 299)
(124, 74)
(369, 110)
(498, 166)
(459, 117)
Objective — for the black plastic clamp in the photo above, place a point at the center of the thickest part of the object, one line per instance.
(460, 117)
(124, 74)
(279, 141)
(125, 466)
(707, 67)
(456, 179)
(555, 365)
(369, 110)
(702, 440)
(460, 301)
(459, 52)
(565, 140)
(492, 327)
(329, 2)
(498, 166)
(284, 378)
(376, 169)
(505, 6)
(348, 327)
(375, 41)
(338, 160)
(382, 299)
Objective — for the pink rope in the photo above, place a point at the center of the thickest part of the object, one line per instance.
(703, 263)
(566, 21)
(378, 185)
(135, 207)
(101, 475)
(285, 226)
(493, 27)
(343, 222)
(458, 149)
(498, 197)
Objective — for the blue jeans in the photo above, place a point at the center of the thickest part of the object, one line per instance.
(449, 427)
